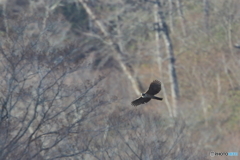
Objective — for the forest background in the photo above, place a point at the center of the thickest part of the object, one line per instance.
(70, 69)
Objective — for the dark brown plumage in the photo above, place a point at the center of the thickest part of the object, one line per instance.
(154, 88)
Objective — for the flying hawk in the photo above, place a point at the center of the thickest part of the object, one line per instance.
(154, 88)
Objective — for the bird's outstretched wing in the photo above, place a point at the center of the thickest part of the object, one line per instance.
(140, 101)
(154, 88)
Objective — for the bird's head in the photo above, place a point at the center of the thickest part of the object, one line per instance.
(143, 95)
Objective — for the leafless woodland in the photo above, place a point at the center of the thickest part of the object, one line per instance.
(70, 69)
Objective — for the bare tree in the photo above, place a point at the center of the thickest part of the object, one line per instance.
(171, 19)
(160, 59)
(206, 9)
(116, 47)
(162, 29)
(45, 113)
(181, 16)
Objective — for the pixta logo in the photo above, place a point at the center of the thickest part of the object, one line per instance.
(213, 154)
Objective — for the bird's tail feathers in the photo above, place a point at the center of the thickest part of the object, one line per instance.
(158, 98)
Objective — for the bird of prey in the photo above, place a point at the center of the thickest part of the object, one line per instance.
(154, 88)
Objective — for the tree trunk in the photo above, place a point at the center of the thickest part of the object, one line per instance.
(182, 19)
(159, 60)
(162, 28)
(115, 46)
(171, 15)
(206, 16)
